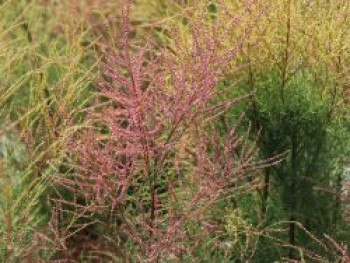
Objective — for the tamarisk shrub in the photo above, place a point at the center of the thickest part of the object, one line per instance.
(152, 163)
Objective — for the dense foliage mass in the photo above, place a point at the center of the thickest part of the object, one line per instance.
(174, 131)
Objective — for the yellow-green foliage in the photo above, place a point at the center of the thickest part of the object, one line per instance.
(303, 34)
(283, 34)
(45, 72)
(242, 237)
